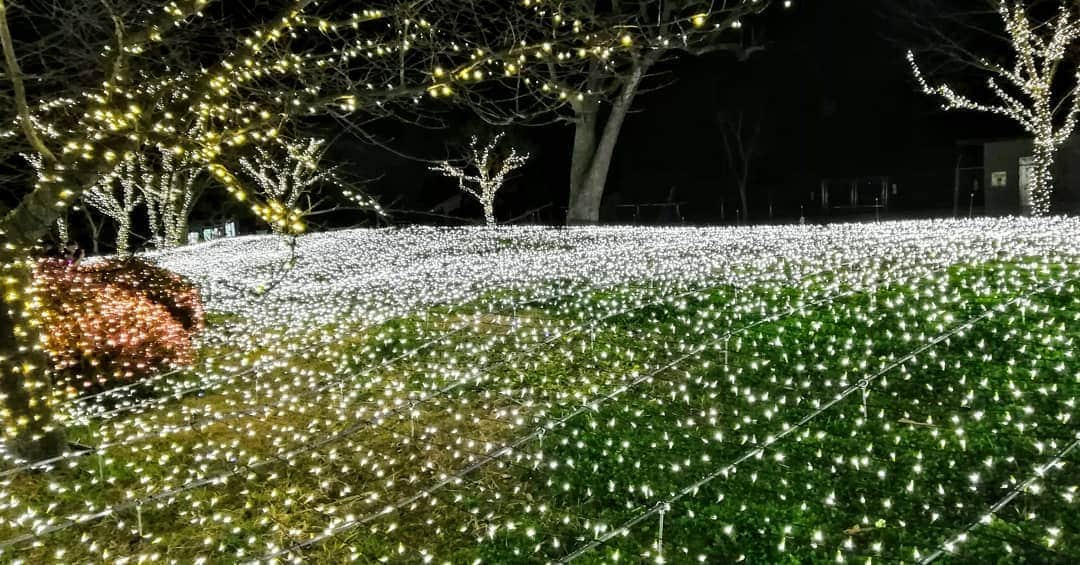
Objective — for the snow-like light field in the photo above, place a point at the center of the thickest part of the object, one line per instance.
(871, 393)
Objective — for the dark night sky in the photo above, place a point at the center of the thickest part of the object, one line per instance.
(835, 99)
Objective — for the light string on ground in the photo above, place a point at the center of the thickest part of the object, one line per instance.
(756, 451)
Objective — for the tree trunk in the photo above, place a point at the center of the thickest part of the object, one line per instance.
(1042, 177)
(33, 217)
(63, 231)
(585, 124)
(183, 217)
(157, 230)
(489, 215)
(744, 200)
(29, 428)
(123, 236)
(592, 157)
(181, 230)
(95, 231)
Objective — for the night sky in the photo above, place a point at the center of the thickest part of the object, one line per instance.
(834, 97)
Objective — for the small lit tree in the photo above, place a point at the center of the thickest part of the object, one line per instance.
(284, 182)
(1025, 91)
(116, 196)
(484, 172)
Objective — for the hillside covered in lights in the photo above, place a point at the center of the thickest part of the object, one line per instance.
(867, 392)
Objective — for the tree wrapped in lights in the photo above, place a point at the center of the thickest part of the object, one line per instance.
(484, 172)
(169, 190)
(119, 205)
(1025, 90)
(283, 182)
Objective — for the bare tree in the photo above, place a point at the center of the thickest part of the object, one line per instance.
(740, 145)
(1028, 88)
(484, 172)
(95, 224)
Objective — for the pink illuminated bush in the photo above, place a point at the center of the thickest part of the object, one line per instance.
(115, 321)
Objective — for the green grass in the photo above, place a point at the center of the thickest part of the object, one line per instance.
(878, 475)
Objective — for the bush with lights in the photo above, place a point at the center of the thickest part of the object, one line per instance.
(115, 321)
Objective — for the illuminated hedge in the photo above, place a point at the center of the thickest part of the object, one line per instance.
(115, 321)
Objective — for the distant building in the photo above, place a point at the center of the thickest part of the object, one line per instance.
(1006, 176)
(210, 232)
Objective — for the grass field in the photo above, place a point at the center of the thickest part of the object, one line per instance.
(900, 392)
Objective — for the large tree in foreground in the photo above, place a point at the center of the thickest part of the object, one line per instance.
(1036, 85)
(116, 78)
(588, 61)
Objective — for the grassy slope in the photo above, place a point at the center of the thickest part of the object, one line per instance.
(887, 467)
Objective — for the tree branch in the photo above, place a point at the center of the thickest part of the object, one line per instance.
(11, 63)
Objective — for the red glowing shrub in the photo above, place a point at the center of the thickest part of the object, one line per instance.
(178, 295)
(115, 321)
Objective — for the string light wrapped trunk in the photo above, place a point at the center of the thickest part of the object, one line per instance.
(484, 173)
(1025, 90)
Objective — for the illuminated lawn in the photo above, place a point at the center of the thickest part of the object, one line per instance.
(894, 392)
